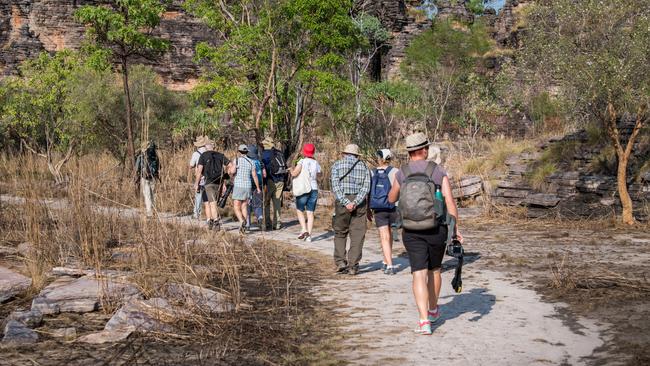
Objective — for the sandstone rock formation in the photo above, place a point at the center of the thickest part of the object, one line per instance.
(28, 27)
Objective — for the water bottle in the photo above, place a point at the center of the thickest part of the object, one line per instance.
(439, 193)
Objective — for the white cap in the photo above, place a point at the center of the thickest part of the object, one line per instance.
(385, 154)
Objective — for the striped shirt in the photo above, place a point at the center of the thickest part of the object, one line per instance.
(356, 183)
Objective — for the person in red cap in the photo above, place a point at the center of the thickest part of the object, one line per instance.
(305, 189)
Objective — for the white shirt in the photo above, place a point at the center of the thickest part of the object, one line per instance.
(313, 168)
(194, 160)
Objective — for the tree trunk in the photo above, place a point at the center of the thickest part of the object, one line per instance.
(624, 158)
(356, 82)
(130, 147)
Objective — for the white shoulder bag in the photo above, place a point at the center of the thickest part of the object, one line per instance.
(302, 183)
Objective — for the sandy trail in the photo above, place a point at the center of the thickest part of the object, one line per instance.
(493, 321)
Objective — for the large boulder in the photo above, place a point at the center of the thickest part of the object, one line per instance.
(81, 295)
(18, 333)
(146, 315)
(199, 298)
(12, 284)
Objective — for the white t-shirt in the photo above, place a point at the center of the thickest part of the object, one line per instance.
(313, 168)
(194, 160)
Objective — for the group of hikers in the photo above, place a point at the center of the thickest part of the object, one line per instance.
(416, 197)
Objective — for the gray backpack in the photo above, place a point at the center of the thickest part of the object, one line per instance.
(417, 203)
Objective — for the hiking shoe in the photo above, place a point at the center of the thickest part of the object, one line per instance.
(424, 328)
(242, 227)
(342, 270)
(433, 315)
(210, 224)
(260, 223)
(389, 270)
(353, 271)
(384, 266)
(216, 226)
(303, 236)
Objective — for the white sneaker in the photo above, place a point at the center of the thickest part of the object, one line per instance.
(308, 238)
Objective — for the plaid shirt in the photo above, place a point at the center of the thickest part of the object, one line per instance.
(356, 183)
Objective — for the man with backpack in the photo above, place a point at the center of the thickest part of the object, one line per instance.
(384, 212)
(147, 170)
(276, 174)
(424, 193)
(199, 144)
(351, 185)
(212, 167)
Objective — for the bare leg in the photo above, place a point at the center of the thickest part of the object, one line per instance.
(310, 221)
(244, 211)
(386, 244)
(238, 211)
(214, 214)
(206, 207)
(421, 292)
(434, 283)
(302, 221)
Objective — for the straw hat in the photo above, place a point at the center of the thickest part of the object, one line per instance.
(268, 142)
(416, 141)
(351, 149)
(200, 141)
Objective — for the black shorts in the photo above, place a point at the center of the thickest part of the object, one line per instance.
(386, 218)
(425, 248)
(204, 196)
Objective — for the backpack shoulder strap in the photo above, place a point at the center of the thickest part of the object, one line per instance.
(431, 167)
(388, 169)
(350, 170)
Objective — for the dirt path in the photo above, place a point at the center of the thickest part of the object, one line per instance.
(493, 321)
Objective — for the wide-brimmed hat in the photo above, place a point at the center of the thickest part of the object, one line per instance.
(252, 151)
(200, 141)
(351, 149)
(308, 150)
(385, 154)
(416, 141)
(242, 148)
(268, 142)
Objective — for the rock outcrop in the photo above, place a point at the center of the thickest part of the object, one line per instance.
(16, 332)
(28, 27)
(12, 284)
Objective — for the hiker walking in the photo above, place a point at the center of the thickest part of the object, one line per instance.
(256, 206)
(147, 169)
(423, 190)
(305, 188)
(199, 194)
(276, 174)
(245, 180)
(212, 169)
(351, 185)
(383, 211)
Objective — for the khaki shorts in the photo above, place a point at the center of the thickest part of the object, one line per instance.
(213, 192)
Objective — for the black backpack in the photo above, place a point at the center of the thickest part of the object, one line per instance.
(153, 165)
(278, 164)
(213, 168)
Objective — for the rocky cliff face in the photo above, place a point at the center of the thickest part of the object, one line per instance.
(28, 27)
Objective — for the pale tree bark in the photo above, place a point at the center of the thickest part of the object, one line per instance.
(623, 155)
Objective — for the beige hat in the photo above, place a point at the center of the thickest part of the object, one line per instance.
(416, 141)
(352, 149)
(268, 142)
(200, 141)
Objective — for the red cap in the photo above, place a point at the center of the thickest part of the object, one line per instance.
(308, 150)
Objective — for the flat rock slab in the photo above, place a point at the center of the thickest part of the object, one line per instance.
(18, 333)
(30, 318)
(81, 295)
(12, 284)
(199, 298)
(106, 336)
(146, 316)
(66, 333)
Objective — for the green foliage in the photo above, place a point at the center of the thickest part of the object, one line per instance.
(372, 31)
(475, 6)
(125, 26)
(597, 52)
(37, 106)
